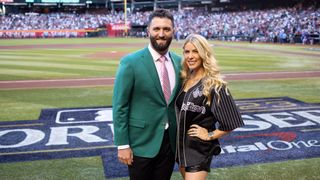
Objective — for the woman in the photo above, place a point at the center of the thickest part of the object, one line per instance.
(203, 101)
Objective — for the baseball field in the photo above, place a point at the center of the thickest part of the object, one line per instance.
(39, 74)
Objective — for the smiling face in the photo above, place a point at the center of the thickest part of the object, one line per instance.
(160, 33)
(192, 58)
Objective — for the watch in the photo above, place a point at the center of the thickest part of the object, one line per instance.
(210, 135)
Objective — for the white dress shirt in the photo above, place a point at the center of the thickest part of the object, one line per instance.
(169, 65)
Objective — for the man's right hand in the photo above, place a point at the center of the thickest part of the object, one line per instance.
(125, 156)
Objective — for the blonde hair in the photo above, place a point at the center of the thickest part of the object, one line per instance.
(212, 77)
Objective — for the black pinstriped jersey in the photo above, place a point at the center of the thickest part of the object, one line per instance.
(191, 108)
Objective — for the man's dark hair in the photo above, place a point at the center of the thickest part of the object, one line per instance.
(161, 13)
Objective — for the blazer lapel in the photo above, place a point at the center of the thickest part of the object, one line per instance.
(176, 66)
(148, 62)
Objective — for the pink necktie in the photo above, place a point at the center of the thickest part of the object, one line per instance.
(165, 79)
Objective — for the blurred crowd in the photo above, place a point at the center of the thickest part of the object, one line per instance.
(264, 25)
(280, 25)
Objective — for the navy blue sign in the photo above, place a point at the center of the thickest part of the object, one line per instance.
(276, 129)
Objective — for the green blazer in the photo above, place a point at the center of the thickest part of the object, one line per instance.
(139, 108)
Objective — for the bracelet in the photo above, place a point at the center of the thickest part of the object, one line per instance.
(210, 135)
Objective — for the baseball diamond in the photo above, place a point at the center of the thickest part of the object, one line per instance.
(58, 62)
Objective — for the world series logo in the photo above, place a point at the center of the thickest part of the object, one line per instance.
(275, 129)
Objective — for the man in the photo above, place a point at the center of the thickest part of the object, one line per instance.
(146, 84)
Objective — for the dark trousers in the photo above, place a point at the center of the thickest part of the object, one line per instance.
(158, 168)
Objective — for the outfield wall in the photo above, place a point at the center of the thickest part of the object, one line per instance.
(64, 33)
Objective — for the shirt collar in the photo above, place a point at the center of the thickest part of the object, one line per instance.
(155, 55)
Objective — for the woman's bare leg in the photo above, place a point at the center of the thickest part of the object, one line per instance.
(201, 175)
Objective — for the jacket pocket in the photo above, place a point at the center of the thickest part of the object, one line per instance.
(137, 123)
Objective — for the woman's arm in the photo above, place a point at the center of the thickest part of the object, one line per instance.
(203, 134)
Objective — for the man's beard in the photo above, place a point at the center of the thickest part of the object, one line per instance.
(160, 47)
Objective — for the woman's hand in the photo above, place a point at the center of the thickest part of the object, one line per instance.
(199, 132)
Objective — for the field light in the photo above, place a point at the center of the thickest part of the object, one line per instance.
(125, 17)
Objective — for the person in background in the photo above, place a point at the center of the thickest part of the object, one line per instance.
(146, 85)
(203, 101)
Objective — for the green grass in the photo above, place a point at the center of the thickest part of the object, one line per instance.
(26, 104)
(293, 170)
(73, 168)
(77, 62)
(61, 61)
(307, 169)
(58, 61)
(91, 168)
(51, 64)
(306, 89)
(242, 60)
